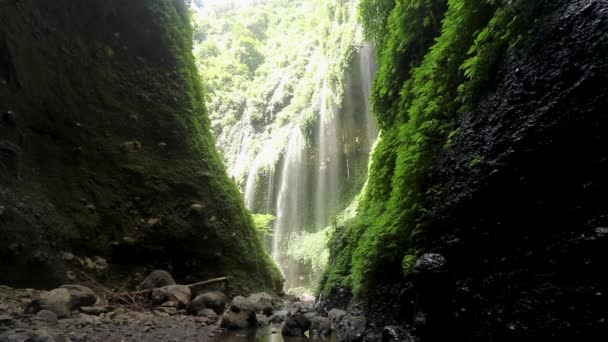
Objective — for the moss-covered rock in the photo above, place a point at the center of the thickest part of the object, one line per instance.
(105, 147)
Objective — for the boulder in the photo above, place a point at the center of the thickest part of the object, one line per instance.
(429, 264)
(280, 316)
(262, 302)
(394, 333)
(214, 300)
(263, 320)
(178, 294)
(241, 315)
(208, 314)
(336, 315)
(80, 296)
(57, 301)
(296, 325)
(320, 327)
(157, 279)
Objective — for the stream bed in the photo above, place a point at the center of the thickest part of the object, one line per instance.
(270, 333)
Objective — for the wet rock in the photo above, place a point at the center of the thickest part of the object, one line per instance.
(262, 302)
(263, 320)
(241, 315)
(209, 314)
(296, 325)
(280, 316)
(80, 296)
(214, 300)
(178, 294)
(47, 316)
(352, 329)
(394, 333)
(196, 209)
(130, 146)
(429, 264)
(43, 335)
(57, 301)
(336, 315)
(157, 279)
(320, 327)
(95, 310)
(5, 320)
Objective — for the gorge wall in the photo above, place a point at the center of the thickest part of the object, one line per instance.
(483, 217)
(289, 87)
(105, 149)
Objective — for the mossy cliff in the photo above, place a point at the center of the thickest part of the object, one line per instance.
(105, 148)
(483, 217)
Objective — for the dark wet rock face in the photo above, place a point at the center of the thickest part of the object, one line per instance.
(517, 249)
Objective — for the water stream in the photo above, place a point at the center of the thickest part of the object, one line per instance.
(320, 168)
(267, 334)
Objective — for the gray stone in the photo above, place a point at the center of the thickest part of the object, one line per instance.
(95, 310)
(80, 296)
(47, 316)
(157, 279)
(57, 301)
(336, 315)
(280, 316)
(263, 320)
(5, 320)
(429, 263)
(241, 315)
(262, 302)
(209, 314)
(210, 300)
(296, 325)
(320, 327)
(178, 294)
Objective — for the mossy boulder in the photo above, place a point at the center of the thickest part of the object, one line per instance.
(108, 131)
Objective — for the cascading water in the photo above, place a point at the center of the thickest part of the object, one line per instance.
(292, 185)
(238, 165)
(322, 170)
(368, 68)
(328, 162)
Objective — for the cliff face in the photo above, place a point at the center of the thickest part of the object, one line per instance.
(105, 148)
(514, 245)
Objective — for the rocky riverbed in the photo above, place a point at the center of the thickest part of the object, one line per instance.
(164, 311)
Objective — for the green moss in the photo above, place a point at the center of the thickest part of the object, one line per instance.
(93, 76)
(427, 67)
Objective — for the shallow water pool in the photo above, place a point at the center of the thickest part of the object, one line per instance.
(267, 334)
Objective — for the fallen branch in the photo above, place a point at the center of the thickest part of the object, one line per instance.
(193, 287)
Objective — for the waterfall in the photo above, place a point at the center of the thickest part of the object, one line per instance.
(239, 164)
(292, 183)
(287, 173)
(367, 68)
(251, 184)
(328, 162)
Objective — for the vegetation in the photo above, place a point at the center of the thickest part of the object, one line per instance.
(434, 58)
(90, 94)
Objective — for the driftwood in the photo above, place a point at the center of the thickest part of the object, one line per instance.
(132, 297)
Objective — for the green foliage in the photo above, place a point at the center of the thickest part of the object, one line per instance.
(263, 224)
(264, 66)
(408, 263)
(427, 65)
(309, 249)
